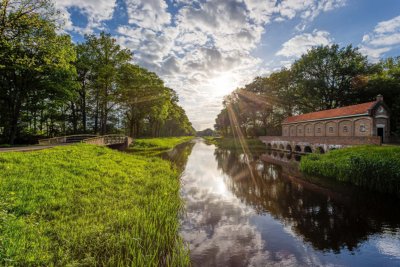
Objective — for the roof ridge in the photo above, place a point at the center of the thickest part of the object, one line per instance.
(356, 109)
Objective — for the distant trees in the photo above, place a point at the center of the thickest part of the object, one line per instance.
(50, 86)
(325, 77)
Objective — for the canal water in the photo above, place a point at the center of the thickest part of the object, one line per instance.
(258, 210)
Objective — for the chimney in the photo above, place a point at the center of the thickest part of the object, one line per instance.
(379, 98)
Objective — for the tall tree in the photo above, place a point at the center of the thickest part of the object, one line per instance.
(107, 58)
(35, 61)
(324, 77)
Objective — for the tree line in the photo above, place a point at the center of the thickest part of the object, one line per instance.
(50, 86)
(325, 77)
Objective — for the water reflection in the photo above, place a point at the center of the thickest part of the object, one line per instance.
(254, 210)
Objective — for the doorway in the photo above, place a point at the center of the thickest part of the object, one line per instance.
(381, 133)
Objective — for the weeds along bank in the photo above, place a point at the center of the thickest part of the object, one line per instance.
(154, 146)
(83, 205)
(373, 167)
(235, 143)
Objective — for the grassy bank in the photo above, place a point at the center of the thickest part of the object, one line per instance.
(373, 167)
(154, 146)
(233, 143)
(84, 205)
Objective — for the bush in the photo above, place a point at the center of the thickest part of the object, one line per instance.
(373, 167)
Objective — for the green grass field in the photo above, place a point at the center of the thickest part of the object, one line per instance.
(155, 146)
(83, 205)
(373, 167)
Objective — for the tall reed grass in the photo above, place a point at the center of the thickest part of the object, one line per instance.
(84, 205)
(373, 167)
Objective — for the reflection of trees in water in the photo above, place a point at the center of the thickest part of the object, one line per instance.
(179, 155)
(327, 219)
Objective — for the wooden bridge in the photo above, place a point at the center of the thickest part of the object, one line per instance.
(115, 141)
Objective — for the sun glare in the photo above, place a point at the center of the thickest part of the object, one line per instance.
(223, 84)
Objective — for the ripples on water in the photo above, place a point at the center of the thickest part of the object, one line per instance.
(257, 210)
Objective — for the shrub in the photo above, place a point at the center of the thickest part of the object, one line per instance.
(372, 167)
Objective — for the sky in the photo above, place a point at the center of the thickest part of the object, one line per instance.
(204, 49)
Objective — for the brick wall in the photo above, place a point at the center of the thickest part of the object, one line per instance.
(334, 140)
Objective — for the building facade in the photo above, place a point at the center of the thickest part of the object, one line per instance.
(362, 120)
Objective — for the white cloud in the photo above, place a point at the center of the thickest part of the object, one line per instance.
(388, 26)
(96, 12)
(301, 43)
(385, 37)
(203, 50)
(150, 14)
(308, 9)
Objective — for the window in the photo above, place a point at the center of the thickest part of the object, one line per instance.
(345, 129)
(331, 129)
(300, 131)
(362, 128)
(308, 130)
(318, 130)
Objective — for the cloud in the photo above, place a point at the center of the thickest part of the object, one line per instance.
(150, 14)
(96, 11)
(308, 9)
(202, 49)
(301, 43)
(385, 37)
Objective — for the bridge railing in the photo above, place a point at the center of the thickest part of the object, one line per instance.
(65, 139)
(100, 140)
(106, 140)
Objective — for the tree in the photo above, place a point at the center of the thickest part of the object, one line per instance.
(36, 62)
(107, 58)
(324, 77)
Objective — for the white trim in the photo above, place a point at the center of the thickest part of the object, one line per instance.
(382, 116)
(324, 119)
(380, 126)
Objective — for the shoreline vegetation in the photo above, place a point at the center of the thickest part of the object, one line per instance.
(156, 146)
(373, 167)
(92, 206)
(234, 143)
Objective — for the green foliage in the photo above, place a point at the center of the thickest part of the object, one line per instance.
(325, 77)
(35, 69)
(51, 87)
(155, 146)
(372, 167)
(234, 143)
(84, 205)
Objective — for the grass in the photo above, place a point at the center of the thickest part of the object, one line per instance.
(155, 146)
(83, 205)
(233, 143)
(373, 167)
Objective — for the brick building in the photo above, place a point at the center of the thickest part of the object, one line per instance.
(362, 120)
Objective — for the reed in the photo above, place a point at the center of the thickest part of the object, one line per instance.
(155, 146)
(83, 205)
(373, 167)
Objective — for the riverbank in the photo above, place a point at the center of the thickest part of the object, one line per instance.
(373, 167)
(155, 146)
(234, 143)
(88, 205)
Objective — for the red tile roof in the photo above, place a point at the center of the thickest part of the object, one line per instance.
(333, 113)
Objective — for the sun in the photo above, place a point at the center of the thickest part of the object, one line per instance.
(223, 84)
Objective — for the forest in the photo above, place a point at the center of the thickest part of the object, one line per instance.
(325, 77)
(50, 86)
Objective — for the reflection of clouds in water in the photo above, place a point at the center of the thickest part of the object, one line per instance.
(217, 224)
(389, 245)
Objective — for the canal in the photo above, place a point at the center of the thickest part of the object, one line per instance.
(258, 210)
